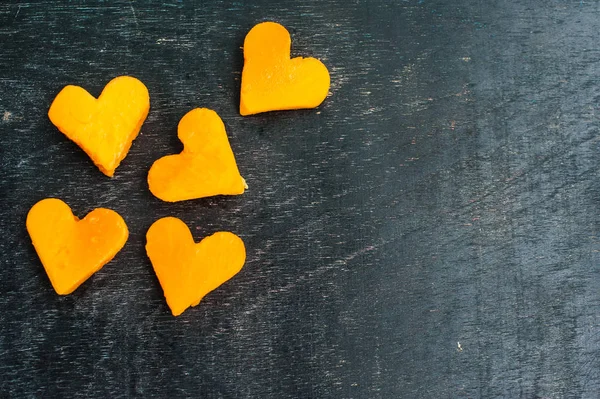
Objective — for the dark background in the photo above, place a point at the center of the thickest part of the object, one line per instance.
(446, 192)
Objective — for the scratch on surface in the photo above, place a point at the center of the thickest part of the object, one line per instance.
(137, 26)
(372, 110)
(173, 42)
(339, 79)
(354, 254)
(261, 300)
(419, 104)
(165, 40)
(18, 11)
(6, 117)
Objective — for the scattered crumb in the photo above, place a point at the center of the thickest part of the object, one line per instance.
(466, 59)
(459, 347)
(7, 115)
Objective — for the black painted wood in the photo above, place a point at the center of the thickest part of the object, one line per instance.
(430, 231)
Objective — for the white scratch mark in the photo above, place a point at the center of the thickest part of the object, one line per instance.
(260, 301)
(137, 26)
(164, 40)
(372, 110)
(18, 11)
(354, 254)
(174, 42)
(340, 78)
(459, 347)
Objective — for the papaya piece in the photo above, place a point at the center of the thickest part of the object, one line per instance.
(271, 80)
(188, 271)
(70, 249)
(105, 127)
(204, 168)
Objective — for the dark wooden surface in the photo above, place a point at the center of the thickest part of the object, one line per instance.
(431, 231)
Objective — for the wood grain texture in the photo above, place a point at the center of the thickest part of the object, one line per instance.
(446, 192)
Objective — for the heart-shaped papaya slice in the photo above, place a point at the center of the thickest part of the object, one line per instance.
(105, 127)
(70, 249)
(204, 168)
(271, 80)
(188, 271)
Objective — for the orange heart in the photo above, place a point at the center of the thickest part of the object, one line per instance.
(205, 167)
(105, 127)
(70, 249)
(271, 80)
(188, 271)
